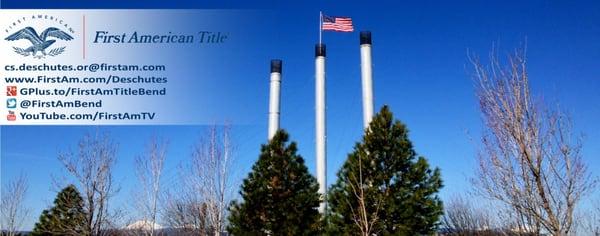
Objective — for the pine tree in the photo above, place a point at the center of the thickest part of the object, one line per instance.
(280, 197)
(383, 188)
(66, 217)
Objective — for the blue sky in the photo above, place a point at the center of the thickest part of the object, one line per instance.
(420, 70)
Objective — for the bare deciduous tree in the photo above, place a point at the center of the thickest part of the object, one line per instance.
(149, 169)
(12, 210)
(210, 173)
(201, 205)
(185, 213)
(92, 166)
(530, 160)
(462, 218)
(589, 221)
(363, 218)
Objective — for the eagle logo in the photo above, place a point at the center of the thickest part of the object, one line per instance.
(39, 42)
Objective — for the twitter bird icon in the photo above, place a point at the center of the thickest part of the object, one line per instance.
(11, 103)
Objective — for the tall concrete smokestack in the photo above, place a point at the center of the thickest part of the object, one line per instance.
(320, 123)
(367, 77)
(274, 97)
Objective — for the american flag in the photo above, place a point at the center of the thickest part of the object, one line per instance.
(337, 23)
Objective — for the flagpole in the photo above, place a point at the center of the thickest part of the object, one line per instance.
(320, 26)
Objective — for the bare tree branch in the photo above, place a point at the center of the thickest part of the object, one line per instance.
(12, 211)
(589, 221)
(201, 206)
(462, 218)
(92, 167)
(530, 160)
(362, 217)
(149, 169)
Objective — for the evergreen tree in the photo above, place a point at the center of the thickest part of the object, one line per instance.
(383, 188)
(280, 197)
(66, 217)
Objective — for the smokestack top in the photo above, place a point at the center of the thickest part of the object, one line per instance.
(365, 37)
(276, 66)
(320, 50)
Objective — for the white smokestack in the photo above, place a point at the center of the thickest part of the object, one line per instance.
(274, 97)
(320, 123)
(367, 77)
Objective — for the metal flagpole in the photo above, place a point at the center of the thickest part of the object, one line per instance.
(320, 27)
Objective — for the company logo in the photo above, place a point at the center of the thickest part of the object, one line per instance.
(11, 103)
(11, 116)
(39, 42)
(28, 42)
(11, 91)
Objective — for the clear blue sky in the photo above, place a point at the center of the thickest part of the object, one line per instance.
(420, 70)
